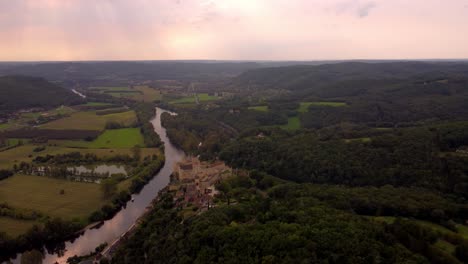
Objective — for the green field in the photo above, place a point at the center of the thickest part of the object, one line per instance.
(147, 94)
(95, 104)
(184, 100)
(91, 121)
(202, 97)
(25, 118)
(25, 153)
(138, 93)
(294, 123)
(15, 227)
(119, 138)
(110, 88)
(5, 126)
(261, 108)
(304, 106)
(115, 138)
(43, 194)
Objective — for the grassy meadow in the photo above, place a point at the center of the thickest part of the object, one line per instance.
(113, 138)
(43, 194)
(202, 97)
(15, 227)
(25, 153)
(91, 121)
(293, 123)
(95, 104)
(261, 108)
(138, 93)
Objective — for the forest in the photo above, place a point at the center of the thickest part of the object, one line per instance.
(334, 163)
(16, 91)
(382, 146)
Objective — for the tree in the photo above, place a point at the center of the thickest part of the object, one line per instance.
(108, 187)
(32, 257)
(136, 153)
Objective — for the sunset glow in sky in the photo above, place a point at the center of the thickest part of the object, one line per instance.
(232, 29)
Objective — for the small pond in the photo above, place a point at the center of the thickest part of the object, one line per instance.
(99, 169)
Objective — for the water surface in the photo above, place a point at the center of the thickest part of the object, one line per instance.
(113, 228)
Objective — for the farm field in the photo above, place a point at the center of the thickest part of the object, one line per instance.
(15, 227)
(25, 153)
(43, 194)
(109, 88)
(25, 119)
(137, 93)
(112, 138)
(147, 94)
(4, 126)
(95, 104)
(293, 123)
(261, 108)
(91, 121)
(62, 110)
(202, 97)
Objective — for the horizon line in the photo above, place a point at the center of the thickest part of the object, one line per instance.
(230, 60)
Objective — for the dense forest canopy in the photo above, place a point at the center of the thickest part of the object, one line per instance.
(336, 163)
(121, 72)
(20, 92)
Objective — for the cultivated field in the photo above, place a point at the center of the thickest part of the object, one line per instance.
(202, 97)
(137, 93)
(91, 121)
(293, 123)
(26, 119)
(147, 94)
(25, 153)
(114, 138)
(15, 227)
(95, 104)
(43, 194)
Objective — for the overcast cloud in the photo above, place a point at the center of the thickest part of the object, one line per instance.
(232, 29)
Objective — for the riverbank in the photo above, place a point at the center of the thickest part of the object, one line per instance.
(124, 218)
(192, 187)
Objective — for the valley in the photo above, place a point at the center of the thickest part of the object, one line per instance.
(372, 160)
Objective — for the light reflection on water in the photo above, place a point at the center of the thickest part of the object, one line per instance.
(113, 228)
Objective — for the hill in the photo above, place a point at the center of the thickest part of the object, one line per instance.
(378, 94)
(19, 92)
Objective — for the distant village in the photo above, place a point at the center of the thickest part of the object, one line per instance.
(44, 116)
(193, 182)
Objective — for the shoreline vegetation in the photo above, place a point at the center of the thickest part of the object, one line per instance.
(336, 163)
(52, 231)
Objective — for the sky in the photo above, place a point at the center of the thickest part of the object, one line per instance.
(232, 29)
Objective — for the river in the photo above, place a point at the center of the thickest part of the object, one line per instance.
(78, 93)
(113, 228)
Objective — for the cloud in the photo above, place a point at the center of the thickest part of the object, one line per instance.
(358, 8)
(365, 9)
(231, 29)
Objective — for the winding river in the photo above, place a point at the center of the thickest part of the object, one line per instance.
(119, 224)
